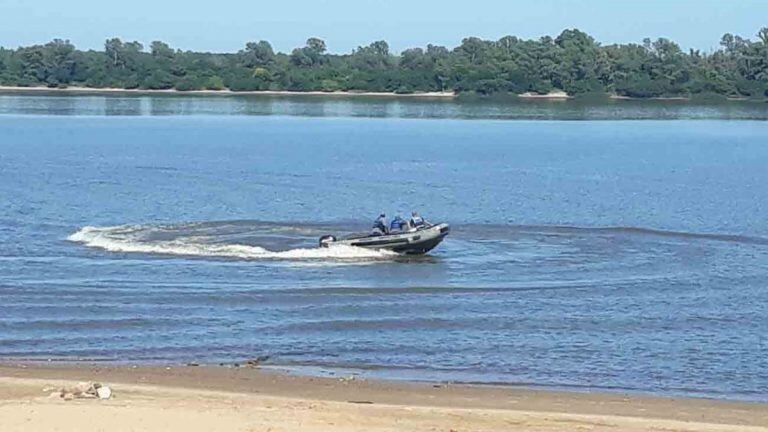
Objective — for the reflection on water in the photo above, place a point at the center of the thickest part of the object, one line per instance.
(383, 107)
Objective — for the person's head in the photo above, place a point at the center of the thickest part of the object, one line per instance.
(414, 214)
(382, 215)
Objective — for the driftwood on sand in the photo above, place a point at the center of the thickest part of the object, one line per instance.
(83, 390)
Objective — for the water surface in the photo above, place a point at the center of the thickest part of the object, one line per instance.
(623, 255)
(377, 107)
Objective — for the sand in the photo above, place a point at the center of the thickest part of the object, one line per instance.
(75, 89)
(553, 95)
(203, 398)
(654, 98)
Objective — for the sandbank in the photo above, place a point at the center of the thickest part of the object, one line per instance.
(92, 90)
(556, 95)
(654, 98)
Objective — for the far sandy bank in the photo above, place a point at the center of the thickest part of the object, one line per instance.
(92, 90)
(556, 95)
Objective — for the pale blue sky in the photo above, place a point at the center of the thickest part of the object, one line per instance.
(225, 25)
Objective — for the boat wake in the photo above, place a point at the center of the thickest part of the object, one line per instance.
(296, 242)
(197, 241)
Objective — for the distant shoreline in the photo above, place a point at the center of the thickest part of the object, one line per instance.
(227, 92)
(556, 95)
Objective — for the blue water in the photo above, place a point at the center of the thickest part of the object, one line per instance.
(597, 254)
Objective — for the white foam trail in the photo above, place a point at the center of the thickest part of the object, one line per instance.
(127, 238)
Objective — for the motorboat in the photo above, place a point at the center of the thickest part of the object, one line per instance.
(411, 241)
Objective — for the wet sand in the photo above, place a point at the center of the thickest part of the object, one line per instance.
(208, 398)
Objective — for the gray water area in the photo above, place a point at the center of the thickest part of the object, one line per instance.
(611, 254)
(376, 107)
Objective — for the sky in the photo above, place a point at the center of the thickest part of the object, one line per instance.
(225, 25)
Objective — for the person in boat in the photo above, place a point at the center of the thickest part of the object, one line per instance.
(380, 226)
(397, 224)
(417, 221)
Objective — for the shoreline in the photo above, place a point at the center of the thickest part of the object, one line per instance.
(656, 98)
(196, 397)
(226, 92)
(554, 96)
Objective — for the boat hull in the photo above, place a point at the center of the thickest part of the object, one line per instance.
(415, 242)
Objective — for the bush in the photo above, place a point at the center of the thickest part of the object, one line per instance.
(159, 80)
(188, 83)
(640, 87)
(329, 85)
(215, 83)
(541, 87)
(242, 84)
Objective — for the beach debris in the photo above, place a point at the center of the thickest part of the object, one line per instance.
(82, 390)
(348, 379)
(193, 364)
(364, 402)
(254, 362)
(104, 392)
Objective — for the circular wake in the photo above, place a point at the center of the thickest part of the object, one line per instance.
(211, 240)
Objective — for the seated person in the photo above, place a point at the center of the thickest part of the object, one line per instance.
(417, 221)
(397, 224)
(380, 226)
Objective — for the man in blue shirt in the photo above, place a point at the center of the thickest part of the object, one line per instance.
(380, 225)
(397, 224)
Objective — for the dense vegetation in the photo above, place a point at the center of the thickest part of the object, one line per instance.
(573, 62)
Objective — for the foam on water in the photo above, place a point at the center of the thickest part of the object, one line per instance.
(134, 239)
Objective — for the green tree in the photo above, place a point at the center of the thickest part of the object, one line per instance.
(161, 50)
(215, 83)
(257, 54)
(113, 48)
(573, 62)
(581, 65)
(313, 54)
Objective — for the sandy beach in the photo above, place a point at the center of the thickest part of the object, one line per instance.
(202, 398)
(553, 95)
(661, 98)
(556, 95)
(79, 90)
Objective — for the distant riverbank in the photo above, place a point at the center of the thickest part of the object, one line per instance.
(572, 62)
(226, 92)
(556, 95)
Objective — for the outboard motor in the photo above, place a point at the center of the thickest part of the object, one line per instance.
(326, 240)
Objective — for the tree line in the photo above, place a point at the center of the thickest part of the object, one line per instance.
(572, 62)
